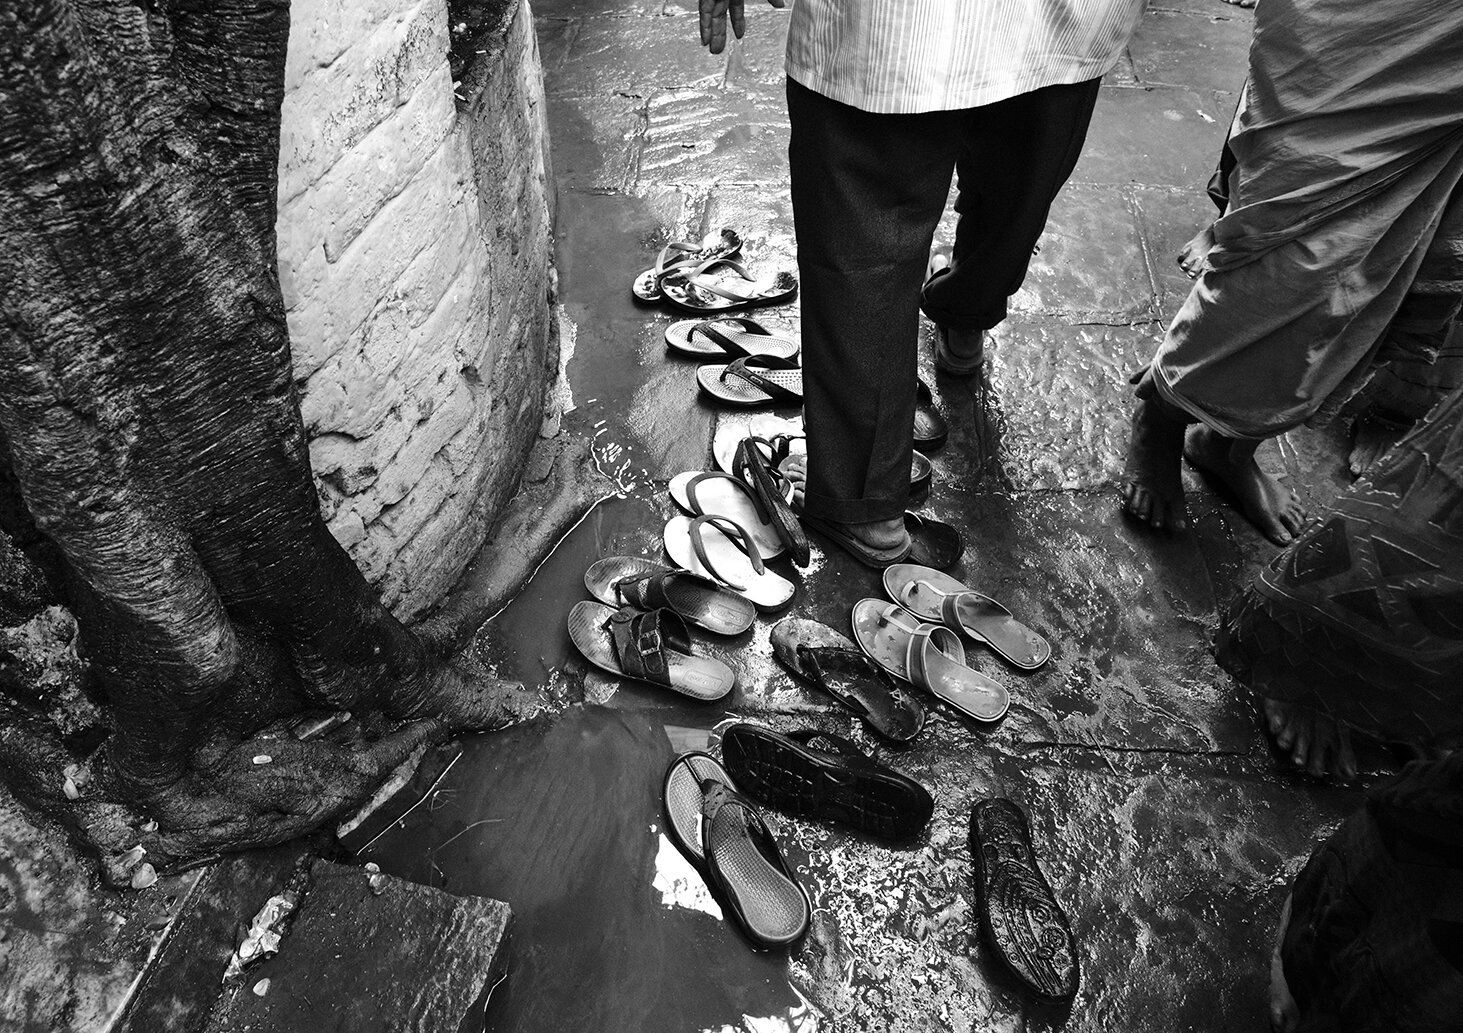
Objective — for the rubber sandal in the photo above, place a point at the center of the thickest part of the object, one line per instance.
(778, 431)
(930, 428)
(830, 661)
(699, 290)
(747, 871)
(758, 380)
(931, 543)
(1019, 912)
(825, 777)
(928, 656)
(681, 255)
(754, 468)
(680, 793)
(728, 337)
(721, 494)
(718, 548)
(632, 581)
(936, 596)
(653, 647)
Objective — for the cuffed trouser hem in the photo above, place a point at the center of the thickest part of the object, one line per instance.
(853, 511)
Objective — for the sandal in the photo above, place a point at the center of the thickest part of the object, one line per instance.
(753, 468)
(729, 338)
(654, 647)
(632, 581)
(931, 543)
(936, 596)
(824, 658)
(698, 291)
(721, 549)
(1019, 912)
(928, 656)
(747, 871)
(680, 793)
(754, 381)
(819, 775)
(680, 255)
(720, 494)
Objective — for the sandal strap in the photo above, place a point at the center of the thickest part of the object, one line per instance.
(651, 591)
(773, 390)
(692, 252)
(735, 534)
(708, 329)
(710, 475)
(697, 278)
(643, 638)
(750, 464)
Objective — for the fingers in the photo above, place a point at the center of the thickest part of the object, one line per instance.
(713, 24)
(738, 17)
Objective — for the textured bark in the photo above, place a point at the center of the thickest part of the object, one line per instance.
(154, 440)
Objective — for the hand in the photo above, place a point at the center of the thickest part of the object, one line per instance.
(713, 21)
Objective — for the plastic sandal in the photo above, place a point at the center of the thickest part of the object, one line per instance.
(632, 581)
(720, 549)
(680, 792)
(654, 647)
(824, 658)
(747, 871)
(721, 494)
(931, 542)
(753, 468)
(823, 776)
(699, 291)
(928, 656)
(781, 435)
(758, 380)
(729, 337)
(936, 596)
(681, 255)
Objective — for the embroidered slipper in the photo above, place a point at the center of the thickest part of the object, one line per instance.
(707, 289)
(825, 777)
(936, 596)
(930, 428)
(931, 543)
(747, 870)
(654, 647)
(632, 581)
(720, 494)
(680, 792)
(754, 468)
(758, 380)
(728, 337)
(824, 658)
(682, 255)
(1019, 912)
(928, 656)
(720, 549)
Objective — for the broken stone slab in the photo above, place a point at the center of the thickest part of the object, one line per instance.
(395, 957)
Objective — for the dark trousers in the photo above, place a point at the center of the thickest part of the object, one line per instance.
(867, 193)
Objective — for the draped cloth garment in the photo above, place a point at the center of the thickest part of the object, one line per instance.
(1348, 146)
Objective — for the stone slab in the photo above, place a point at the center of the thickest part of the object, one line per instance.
(1166, 136)
(596, 141)
(612, 54)
(407, 960)
(708, 137)
(1193, 50)
(1168, 219)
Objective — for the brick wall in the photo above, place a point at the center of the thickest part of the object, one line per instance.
(414, 246)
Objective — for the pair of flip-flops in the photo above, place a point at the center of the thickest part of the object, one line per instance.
(680, 256)
(761, 367)
(722, 833)
(732, 527)
(933, 595)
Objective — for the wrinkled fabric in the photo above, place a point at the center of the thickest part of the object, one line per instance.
(1344, 196)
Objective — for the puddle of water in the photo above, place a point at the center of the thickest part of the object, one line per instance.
(562, 819)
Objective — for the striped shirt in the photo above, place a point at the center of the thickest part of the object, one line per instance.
(900, 56)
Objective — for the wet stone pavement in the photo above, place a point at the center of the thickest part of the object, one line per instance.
(1163, 821)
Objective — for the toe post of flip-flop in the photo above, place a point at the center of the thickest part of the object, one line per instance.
(1020, 915)
(826, 777)
(936, 596)
(747, 873)
(646, 585)
(652, 646)
(832, 662)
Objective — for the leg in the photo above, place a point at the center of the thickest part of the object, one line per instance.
(867, 191)
(1318, 744)
(1152, 489)
(1268, 504)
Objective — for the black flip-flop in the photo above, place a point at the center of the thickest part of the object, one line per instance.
(753, 468)
(930, 428)
(818, 775)
(824, 658)
(747, 871)
(630, 580)
(729, 337)
(931, 543)
(757, 380)
(1018, 910)
(680, 794)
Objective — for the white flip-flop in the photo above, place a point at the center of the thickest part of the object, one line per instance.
(720, 549)
(721, 494)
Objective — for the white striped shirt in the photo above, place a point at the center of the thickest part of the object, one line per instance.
(901, 56)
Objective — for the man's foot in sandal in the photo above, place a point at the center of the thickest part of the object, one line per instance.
(1316, 743)
(1265, 502)
(825, 777)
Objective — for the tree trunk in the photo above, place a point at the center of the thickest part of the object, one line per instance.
(151, 440)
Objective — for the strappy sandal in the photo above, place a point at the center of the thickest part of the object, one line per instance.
(720, 549)
(936, 596)
(632, 581)
(755, 469)
(746, 870)
(652, 646)
(758, 380)
(681, 255)
(699, 291)
(729, 337)
(823, 776)
(831, 662)
(931, 542)
(928, 656)
(720, 494)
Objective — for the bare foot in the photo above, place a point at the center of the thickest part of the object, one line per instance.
(1318, 744)
(1241, 3)
(1370, 440)
(1193, 254)
(1152, 489)
(1264, 501)
(1284, 1013)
